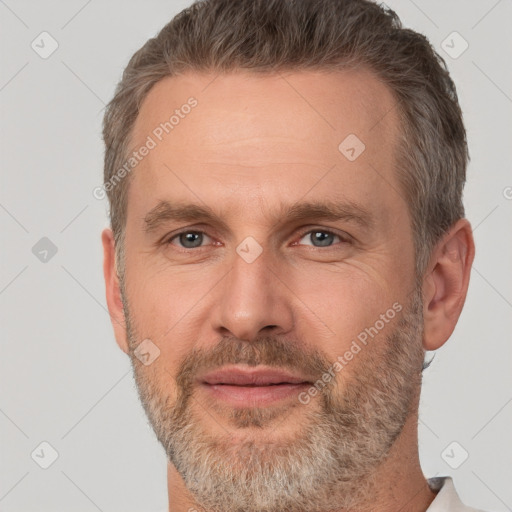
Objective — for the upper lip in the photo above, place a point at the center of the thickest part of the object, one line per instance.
(257, 377)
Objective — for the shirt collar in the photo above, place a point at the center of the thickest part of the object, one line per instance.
(447, 498)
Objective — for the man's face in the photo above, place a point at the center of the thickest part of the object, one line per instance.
(268, 280)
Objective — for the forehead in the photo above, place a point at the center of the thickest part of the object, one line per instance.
(254, 137)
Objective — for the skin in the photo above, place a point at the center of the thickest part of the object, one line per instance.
(253, 144)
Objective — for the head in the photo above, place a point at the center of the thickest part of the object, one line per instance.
(298, 201)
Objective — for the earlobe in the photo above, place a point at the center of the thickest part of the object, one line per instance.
(446, 283)
(113, 293)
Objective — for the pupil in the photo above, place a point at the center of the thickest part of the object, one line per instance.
(191, 239)
(324, 239)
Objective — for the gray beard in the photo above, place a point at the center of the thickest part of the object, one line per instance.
(330, 463)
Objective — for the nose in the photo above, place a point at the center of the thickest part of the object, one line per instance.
(252, 299)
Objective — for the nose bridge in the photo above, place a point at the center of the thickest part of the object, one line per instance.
(251, 298)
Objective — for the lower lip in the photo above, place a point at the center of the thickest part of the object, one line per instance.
(253, 395)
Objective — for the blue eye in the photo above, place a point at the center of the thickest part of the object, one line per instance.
(189, 239)
(319, 238)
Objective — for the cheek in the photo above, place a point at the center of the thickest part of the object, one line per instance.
(346, 300)
(167, 305)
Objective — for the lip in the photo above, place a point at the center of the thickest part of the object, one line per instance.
(260, 386)
(259, 376)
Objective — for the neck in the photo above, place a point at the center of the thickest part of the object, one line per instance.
(399, 481)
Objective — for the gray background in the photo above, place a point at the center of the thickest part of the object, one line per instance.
(63, 379)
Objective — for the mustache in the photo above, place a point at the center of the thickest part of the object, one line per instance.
(273, 351)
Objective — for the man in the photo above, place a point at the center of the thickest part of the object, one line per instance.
(288, 238)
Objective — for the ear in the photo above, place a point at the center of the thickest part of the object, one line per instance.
(114, 302)
(446, 282)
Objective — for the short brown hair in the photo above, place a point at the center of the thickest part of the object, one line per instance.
(277, 35)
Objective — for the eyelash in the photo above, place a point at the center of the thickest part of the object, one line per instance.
(344, 239)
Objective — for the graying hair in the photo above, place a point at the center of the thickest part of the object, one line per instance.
(282, 35)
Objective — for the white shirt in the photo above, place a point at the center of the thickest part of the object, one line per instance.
(447, 499)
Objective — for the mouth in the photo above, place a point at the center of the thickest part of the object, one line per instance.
(260, 386)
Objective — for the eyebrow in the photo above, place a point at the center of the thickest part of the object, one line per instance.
(166, 211)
